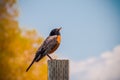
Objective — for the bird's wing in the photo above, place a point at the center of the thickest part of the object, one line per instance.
(47, 45)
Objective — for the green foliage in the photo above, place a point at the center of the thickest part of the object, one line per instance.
(17, 47)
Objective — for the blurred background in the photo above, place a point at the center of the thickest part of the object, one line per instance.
(90, 37)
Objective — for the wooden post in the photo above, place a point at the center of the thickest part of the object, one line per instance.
(58, 69)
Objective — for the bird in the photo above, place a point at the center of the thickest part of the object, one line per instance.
(50, 44)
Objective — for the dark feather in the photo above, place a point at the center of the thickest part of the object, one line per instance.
(45, 48)
(48, 44)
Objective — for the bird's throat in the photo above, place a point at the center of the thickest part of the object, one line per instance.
(59, 39)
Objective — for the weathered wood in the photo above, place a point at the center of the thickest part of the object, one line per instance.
(58, 69)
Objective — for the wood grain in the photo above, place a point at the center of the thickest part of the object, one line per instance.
(58, 69)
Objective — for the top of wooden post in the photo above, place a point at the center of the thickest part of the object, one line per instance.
(58, 69)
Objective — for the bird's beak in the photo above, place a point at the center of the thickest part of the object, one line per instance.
(59, 28)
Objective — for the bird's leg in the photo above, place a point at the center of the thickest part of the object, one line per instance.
(49, 57)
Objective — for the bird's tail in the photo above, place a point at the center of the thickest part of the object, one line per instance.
(30, 65)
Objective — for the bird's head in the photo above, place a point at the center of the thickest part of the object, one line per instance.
(55, 31)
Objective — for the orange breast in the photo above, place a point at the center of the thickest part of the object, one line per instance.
(57, 45)
(59, 39)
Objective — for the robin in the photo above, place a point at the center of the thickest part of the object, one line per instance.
(51, 43)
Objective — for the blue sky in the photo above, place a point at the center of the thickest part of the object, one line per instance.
(88, 27)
